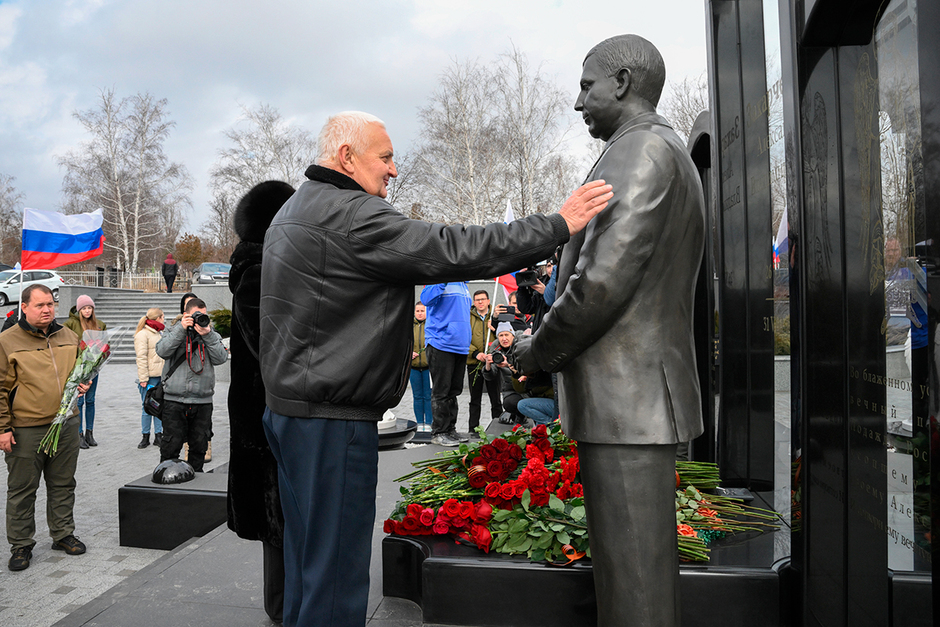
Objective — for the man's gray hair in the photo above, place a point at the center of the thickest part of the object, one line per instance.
(348, 127)
(647, 69)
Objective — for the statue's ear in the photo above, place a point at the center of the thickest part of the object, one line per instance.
(623, 82)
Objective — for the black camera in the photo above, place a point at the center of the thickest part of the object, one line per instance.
(498, 358)
(200, 319)
(527, 278)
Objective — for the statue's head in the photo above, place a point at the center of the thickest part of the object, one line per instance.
(621, 77)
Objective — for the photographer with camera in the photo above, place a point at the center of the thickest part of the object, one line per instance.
(188, 392)
(497, 367)
(530, 296)
(511, 314)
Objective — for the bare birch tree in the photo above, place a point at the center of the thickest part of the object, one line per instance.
(685, 100)
(124, 170)
(534, 122)
(461, 153)
(263, 146)
(11, 220)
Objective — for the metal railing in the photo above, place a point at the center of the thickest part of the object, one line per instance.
(145, 281)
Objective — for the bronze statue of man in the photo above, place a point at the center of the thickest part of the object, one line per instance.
(620, 334)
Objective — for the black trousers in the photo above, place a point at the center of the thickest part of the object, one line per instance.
(273, 568)
(446, 385)
(186, 423)
(170, 279)
(476, 382)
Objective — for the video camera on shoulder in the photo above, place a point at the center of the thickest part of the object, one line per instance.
(527, 277)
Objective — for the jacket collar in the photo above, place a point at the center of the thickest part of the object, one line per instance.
(53, 327)
(332, 177)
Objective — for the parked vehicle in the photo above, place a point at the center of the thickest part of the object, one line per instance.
(4, 266)
(10, 283)
(211, 273)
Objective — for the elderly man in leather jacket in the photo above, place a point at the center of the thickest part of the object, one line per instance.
(627, 374)
(337, 288)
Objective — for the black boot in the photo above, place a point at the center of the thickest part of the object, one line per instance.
(144, 441)
(81, 440)
(90, 439)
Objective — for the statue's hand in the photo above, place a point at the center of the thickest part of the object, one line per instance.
(521, 355)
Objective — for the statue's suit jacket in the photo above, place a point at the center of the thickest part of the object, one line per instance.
(620, 331)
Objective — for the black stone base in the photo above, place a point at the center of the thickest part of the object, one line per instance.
(403, 431)
(155, 516)
(459, 585)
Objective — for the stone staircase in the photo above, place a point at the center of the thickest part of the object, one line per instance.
(125, 310)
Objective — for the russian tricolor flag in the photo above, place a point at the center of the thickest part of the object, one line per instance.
(52, 239)
(508, 281)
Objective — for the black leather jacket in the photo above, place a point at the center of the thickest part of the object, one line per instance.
(337, 292)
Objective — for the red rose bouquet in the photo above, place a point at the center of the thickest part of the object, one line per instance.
(521, 494)
(93, 352)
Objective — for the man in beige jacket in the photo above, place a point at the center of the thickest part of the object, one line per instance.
(36, 358)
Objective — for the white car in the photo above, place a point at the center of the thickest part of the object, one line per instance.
(10, 283)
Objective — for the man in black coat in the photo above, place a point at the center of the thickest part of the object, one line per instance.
(254, 506)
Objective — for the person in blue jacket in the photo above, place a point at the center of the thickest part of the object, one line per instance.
(447, 336)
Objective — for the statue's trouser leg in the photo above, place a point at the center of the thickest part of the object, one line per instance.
(629, 493)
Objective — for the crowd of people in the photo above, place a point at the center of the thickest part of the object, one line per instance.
(453, 328)
(37, 355)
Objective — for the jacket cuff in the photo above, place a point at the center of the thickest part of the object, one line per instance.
(559, 227)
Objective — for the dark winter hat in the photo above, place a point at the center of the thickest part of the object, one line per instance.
(258, 207)
(183, 300)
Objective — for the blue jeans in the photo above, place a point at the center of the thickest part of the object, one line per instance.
(421, 393)
(540, 410)
(145, 418)
(328, 524)
(87, 400)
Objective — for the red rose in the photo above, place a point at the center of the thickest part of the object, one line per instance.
(515, 452)
(414, 509)
(481, 537)
(540, 431)
(482, 512)
(477, 476)
(488, 451)
(509, 465)
(516, 428)
(466, 509)
(494, 468)
(441, 528)
(427, 517)
(500, 444)
(507, 491)
(451, 508)
(410, 524)
(539, 500)
(492, 490)
(479, 461)
(518, 489)
(459, 523)
(389, 526)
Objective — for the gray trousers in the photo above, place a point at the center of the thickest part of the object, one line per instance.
(25, 467)
(629, 495)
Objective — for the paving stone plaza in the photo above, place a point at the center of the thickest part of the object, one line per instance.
(56, 586)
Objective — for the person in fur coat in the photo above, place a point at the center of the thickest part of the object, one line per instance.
(254, 506)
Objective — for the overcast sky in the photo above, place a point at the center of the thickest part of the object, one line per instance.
(308, 59)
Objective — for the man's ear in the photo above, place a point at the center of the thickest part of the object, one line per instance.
(623, 82)
(345, 159)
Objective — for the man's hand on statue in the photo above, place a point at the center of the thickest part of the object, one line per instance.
(585, 203)
(7, 441)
